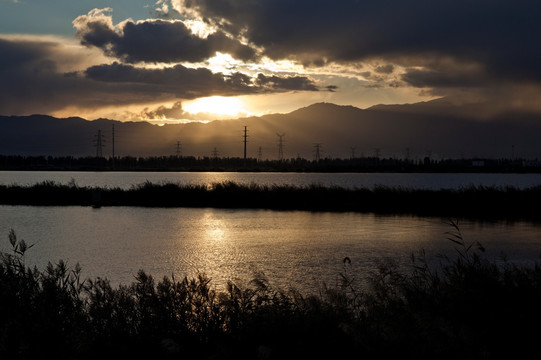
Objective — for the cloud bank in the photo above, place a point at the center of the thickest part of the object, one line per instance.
(445, 47)
(154, 40)
(37, 79)
(500, 34)
(485, 50)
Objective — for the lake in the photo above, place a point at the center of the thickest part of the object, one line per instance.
(296, 249)
(293, 248)
(125, 180)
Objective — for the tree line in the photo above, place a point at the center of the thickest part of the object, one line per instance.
(298, 164)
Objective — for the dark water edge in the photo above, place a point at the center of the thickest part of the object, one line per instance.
(472, 202)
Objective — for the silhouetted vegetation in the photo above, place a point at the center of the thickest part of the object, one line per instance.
(468, 202)
(298, 164)
(465, 307)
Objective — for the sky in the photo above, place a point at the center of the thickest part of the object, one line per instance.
(199, 60)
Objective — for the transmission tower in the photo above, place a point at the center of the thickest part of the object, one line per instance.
(259, 154)
(113, 140)
(178, 149)
(99, 143)
(215, 153)
(245, 140)
(352, 150)
(113, 143)
(317, 148)
(280, 146)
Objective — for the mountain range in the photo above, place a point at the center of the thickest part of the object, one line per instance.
(437, 128)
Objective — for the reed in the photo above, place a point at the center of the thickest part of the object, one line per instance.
(464, 307)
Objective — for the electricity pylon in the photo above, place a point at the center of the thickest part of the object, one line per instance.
(280, 146)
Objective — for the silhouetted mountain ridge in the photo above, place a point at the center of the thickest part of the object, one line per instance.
(439, 128)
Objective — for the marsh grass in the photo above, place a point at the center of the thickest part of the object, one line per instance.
(479, 202)
(465, 307)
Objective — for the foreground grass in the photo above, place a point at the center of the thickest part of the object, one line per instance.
(464, 308)
(474, 202)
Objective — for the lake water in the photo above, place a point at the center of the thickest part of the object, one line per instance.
(293, 248)
(348, 180)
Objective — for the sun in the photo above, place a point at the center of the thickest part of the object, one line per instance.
(217, 105)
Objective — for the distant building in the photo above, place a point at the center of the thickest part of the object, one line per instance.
(531, 163)
(478, 163)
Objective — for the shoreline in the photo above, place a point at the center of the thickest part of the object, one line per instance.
(338, 170)
(473, 202)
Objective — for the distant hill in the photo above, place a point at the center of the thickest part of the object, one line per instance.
(437, 128)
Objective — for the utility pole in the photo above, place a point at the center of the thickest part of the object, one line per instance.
(245, 137)
(99, 143)
(280, 146)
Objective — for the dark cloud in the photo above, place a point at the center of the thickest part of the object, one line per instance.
(163, 114)
(440, 79)
(190, 83)
(29, 77)
(385, 69)
(32, 82)
(366, 74)
(174, 112)
(331, 88)
(183, 82)
(285, 83)
(154, 40)
(500, 35)
(20, 55)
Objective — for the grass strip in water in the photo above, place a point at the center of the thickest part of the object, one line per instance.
(470, 202)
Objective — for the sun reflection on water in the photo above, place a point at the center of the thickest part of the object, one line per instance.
(215, 229)
(292, 248)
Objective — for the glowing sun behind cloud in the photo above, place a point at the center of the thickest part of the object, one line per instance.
(217, 105)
